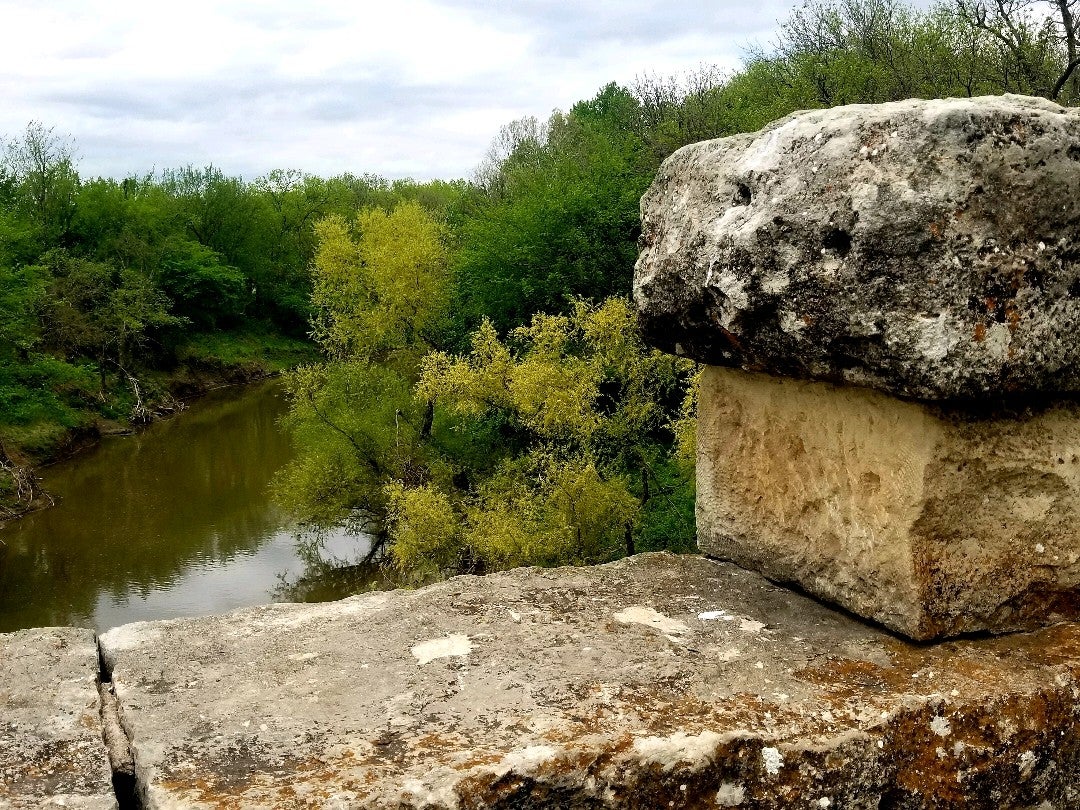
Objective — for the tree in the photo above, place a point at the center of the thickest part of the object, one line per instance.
(582, 411)
(381, 295)
(1040, 37)
(204, 290)
(40, 172)
(556, 219)
(832, 52)
(98, 311)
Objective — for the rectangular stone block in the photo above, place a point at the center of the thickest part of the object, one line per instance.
(930, 521)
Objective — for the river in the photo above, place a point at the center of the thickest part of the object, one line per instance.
(174, 521)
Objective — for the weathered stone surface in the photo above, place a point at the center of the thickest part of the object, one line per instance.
(51, 750)
(926, 248)
(658, 681)
(924, 519)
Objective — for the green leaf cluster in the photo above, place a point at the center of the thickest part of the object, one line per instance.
(584, 414)
(111, 291)
(546, 447)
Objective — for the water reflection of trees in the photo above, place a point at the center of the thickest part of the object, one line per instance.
(331, 573)
(139, 512)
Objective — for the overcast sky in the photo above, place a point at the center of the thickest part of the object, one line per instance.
(400, 87)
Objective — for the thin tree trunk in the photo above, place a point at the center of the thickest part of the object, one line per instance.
(429, 420)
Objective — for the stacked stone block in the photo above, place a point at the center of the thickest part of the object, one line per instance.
(887, 299)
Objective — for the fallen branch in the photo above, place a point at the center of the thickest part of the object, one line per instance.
(24, 484)
(140, 413)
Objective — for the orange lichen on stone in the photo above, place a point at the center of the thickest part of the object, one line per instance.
(1012, 315)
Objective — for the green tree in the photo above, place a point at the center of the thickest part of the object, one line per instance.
(1038, 38)
(553, 214)
(203, 289)
(583, 413)
(94, 310)
(39, 172)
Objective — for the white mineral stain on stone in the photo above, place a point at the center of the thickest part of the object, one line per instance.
(366, 603)
(640, 614)
(439, 792)
(710, 615)
(934, 338)
(733, 287)
(998, 339)
(940, 726)
(772, 760)
(762, 157)
(751, 626)
(128, 637)
(730, 795)
(774, 283)
(527, 759)
(790, 322)
(1027, 763)
(824, 801)
(667, 752)
(456, 645)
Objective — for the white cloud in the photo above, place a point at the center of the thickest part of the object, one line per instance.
(412, 87)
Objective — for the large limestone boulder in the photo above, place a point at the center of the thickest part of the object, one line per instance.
(927, 248)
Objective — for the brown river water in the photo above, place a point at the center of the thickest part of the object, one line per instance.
(174, 521)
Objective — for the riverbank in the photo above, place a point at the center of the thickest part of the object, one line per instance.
(132, 401)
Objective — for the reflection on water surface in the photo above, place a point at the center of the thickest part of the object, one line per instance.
(175, 521)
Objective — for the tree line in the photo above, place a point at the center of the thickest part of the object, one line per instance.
(112, 291)
(482, 397)
(485, 399)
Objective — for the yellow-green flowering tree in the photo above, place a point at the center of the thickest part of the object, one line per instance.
(380, 284)
(581, 410)
(380, 288)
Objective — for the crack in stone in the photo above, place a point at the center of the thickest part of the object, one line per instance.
(117, 741)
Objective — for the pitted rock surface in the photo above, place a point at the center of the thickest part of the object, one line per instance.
(914, 515)
(926, 248)
(658, 681)
(51, 748)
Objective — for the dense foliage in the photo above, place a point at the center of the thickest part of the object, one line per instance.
(114, 294)
(483, 397)
(499, 408)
